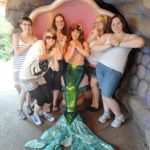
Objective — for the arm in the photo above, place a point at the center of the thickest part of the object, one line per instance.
(100, 45)
(15, 41)
(68, 55)
(84, 50)
(92, 35)
(96, 7)
(133, 41)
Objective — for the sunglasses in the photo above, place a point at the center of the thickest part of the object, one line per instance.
(51, 37)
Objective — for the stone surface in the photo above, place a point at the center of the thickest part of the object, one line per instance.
(145, 60)
(138, 57)
(141, 71)
(147, 75)
(134, 82)
(148, 66)
(146, 50)
(141, 116)
(148, 98)
(15, 9)
(142, 89)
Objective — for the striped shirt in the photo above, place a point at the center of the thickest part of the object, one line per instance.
(19, 59)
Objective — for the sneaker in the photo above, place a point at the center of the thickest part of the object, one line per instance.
(118, 121)
(48, 117)
(36, 119)
(104, 117)
(29, 110)
(21, 115)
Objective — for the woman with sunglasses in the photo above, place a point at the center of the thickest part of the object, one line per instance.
(40, 57)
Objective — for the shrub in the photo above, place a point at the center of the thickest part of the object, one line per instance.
(5, 40)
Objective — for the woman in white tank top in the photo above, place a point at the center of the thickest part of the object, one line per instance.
(115, 48)
(21, 43)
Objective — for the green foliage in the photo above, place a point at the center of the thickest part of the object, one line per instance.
(5, 40)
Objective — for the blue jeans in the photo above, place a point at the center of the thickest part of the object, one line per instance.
(108, 79)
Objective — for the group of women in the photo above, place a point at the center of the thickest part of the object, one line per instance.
(40, 67)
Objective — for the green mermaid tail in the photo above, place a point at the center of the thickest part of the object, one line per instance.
(76, 136)
(73, 77)
(69, 130)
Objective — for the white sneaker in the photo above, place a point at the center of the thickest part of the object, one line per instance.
(36, 119)
(118, 121)
(104, 117)
(48, 117)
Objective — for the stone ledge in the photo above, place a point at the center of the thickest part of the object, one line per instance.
(141, 115)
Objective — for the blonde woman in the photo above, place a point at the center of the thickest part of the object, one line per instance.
(40, 56)
(99, 28)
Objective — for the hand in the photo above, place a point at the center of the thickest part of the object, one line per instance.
(63, 41)
(114, 41)
(31, 42)
(73, 44)
(95, 32)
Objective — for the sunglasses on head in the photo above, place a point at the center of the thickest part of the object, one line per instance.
(51, 37)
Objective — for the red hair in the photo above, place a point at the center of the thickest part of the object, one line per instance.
(77, 27)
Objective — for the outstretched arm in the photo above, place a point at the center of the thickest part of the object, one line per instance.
(96, 7)
(133, 41)
(100, 44)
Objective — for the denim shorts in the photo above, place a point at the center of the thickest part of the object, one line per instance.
(108, 79)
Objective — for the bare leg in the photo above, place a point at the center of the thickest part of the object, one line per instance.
(55, 100)
(37, 108)
(46, 107)
(28, 98)
(113, 105)
(22, 98)
(105, 105)
(18, 88)
(95, 92)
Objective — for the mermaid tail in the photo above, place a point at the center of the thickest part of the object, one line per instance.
(69, 130)
(77, 136)
(73, 77)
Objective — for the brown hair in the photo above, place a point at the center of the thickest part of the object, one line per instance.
(124, 24)
(64, 30)
(25, 18)
(76, 27)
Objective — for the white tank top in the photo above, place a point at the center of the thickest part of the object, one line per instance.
(19, 59)
(115, 57)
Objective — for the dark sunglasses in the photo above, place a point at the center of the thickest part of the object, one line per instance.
(51, 37)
